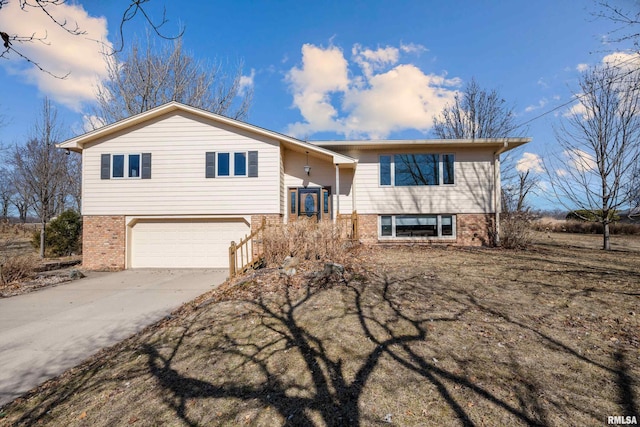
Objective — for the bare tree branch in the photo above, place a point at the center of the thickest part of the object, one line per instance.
(145, 78)
(47, 7)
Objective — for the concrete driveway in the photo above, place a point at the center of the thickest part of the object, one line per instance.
(44, 333)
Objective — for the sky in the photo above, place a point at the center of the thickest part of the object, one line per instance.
(331, 69)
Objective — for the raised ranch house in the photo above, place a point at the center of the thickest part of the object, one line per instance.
(173, 186)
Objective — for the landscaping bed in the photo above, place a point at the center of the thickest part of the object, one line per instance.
(406, 336)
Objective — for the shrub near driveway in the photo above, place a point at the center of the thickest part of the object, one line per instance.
(410, 336)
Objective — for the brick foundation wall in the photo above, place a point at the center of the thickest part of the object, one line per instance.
(368, 229)
(103, 243)
(471, 230)
(256, 220)
(475, 229)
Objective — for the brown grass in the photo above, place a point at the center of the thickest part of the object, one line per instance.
(17, 267)
(414, 336)
(584, 227)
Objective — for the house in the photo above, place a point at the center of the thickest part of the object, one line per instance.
(173, 186)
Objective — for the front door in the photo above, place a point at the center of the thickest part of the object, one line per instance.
(310, 202)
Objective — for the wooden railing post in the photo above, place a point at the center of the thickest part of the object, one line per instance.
(232, 260)
(354, 224)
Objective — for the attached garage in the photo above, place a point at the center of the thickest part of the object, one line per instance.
(183, 243)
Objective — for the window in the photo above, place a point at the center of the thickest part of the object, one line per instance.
(239, 164)
(417, 226)
(385, 226)
(129, 163)
(403, 170)
(238, 168)
(416, 169)
(223, 164)
(134, 166)
(448, 172)
(117, 166)
(385, 170)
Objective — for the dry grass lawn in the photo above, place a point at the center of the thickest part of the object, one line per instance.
(409, 337)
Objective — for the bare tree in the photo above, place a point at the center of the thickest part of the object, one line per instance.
(599, 145)
(40, 168)
(11, 42)
(6, 192)
(479, 113)
(146, 77)
(73, 187)
(475, 113)
(514, 196)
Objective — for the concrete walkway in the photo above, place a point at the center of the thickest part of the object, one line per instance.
(44, 333)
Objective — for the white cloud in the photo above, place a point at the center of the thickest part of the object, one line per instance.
(541, 104)
(582, 67)
(622, 59)
(246, 82)
(579, 160)
(543, 83)
(530, 162)
(577, 109)
(388, 96)
(413, 48)
(62, 53)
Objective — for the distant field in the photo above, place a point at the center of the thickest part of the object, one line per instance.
(590, 241)
(15, 239)
(409, 337)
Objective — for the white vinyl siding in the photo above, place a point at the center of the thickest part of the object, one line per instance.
(472, 191)
(178, 143)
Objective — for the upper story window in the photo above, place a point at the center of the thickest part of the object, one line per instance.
(232, 164)
(125, 166)
(224, 164)
(117, 166)
(403, 170)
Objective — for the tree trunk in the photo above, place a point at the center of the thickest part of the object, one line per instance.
(42, 228)
(606, 244)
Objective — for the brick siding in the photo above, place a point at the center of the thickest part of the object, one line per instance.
(475, 229)
(103, 243)
(471, 230)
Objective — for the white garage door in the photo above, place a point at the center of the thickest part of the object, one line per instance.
(187, 243)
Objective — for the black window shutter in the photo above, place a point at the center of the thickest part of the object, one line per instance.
(105, 166)
(210, 165)
(146, 166)
(253, 164)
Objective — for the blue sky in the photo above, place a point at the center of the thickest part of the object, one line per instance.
(336, 69)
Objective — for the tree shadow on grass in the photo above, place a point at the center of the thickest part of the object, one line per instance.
(332, 397)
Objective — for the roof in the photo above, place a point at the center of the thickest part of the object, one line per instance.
(77, 144)
(500, 145)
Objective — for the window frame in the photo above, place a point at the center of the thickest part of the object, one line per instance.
(441, 166)
(125, 166)
(439, 227)
(231, 165)
(440, 156)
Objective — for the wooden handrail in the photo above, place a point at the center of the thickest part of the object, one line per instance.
(244, 246)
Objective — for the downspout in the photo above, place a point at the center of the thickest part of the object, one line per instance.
(335, 218)
(497, 190)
